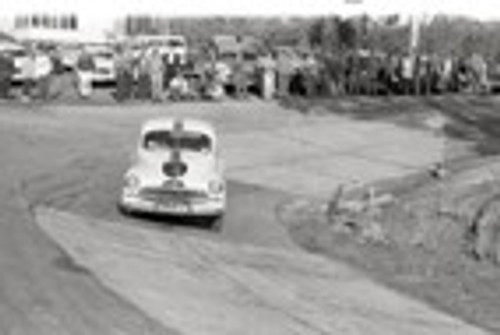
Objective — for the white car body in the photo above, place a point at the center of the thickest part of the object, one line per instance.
(69, 55)
(104, 64)
(177, 171)
(19, 55)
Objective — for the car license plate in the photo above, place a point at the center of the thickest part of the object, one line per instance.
(173, 206)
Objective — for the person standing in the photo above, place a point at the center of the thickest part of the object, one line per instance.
(156, 72)
(240, 80)
(124, 75)
(43, 69)
(408, 66)
(169, 72)
(268, 77)
(221, 78)
(207, 81)
(85, 68)
(178, 88)
(285, 70)
(7, 70)
(479, 69)
(310, 71)
(447, 66)
(143, 79)
(28, 75)
(57, 75)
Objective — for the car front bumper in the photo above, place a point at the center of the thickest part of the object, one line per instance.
(103, 77)
(206, 207)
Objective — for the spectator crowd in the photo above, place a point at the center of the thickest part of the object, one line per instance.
(148, 75)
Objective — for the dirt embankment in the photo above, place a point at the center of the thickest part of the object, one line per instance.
(424, 242)
(438, 236)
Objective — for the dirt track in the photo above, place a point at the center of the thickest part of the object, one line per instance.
(73, 162)
(41, 292)
(72, 159)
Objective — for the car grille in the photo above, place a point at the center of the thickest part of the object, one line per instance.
(168, 195)
(103, 71)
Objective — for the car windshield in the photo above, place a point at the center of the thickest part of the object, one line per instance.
(175, 43)
(185, 140)
(18, 53)
(104, 54)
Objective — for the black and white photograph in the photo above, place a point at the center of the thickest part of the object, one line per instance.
(258, 167)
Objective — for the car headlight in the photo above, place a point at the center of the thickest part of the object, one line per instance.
(216, 187)
(132, 182)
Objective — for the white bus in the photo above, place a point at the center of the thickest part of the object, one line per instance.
(174, 47)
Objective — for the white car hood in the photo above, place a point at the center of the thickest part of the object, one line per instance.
(201, 169)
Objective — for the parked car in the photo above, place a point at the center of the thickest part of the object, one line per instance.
(69, 56)
(494, 78)
(103, 56)
(19, 56)
(177, 171)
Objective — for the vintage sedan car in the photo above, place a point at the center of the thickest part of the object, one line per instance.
(104, 72)
(177, 171)
(20, 56)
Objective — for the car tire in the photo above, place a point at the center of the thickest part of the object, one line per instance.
(123, 209)
(216, 222)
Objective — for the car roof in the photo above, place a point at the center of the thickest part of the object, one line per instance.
(185, 123)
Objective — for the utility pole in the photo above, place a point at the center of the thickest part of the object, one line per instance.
(357, 5)
(414, 34)
(414, 48)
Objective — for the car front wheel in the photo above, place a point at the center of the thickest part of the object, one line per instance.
(216, 222)
(124, 210)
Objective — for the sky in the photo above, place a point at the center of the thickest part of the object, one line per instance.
(103, 9)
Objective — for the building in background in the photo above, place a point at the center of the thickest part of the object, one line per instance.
(145, 25)
(57, 28)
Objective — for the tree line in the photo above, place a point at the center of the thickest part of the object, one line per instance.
(440, 35)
